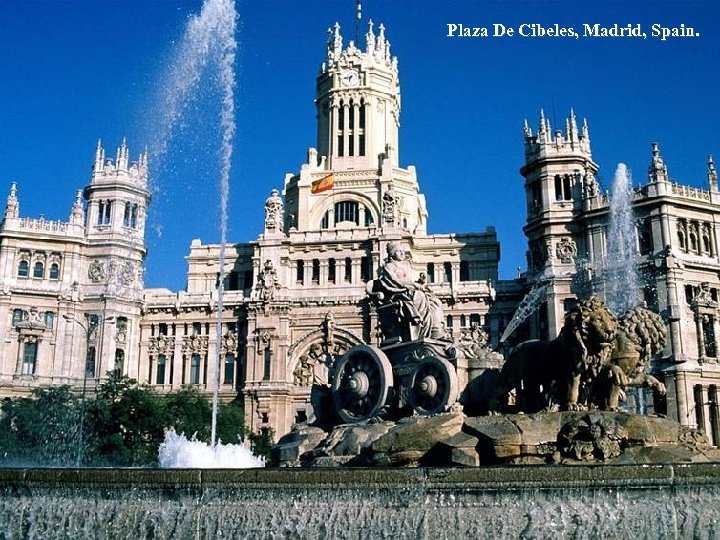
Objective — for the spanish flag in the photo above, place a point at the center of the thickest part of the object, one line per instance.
(324, 184)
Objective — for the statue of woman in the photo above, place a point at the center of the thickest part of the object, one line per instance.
(418, 303)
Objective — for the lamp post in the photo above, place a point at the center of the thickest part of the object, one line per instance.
(93, 322)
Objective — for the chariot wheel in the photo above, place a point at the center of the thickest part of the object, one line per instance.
(434, 386)
(362, 380)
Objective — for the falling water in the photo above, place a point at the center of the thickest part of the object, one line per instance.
(622, 289)
(205, 64)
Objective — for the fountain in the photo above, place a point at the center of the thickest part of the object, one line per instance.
(622, 289)
(189, 499)
(205, 58)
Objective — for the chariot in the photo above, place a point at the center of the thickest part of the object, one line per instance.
(406, 374)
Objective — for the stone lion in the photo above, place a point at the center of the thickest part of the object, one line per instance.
(641, 334)
(544, 374)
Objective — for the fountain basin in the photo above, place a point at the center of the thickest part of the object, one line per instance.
(620, 501)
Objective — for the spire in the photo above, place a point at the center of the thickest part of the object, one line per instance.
(543, 127)
(370, 38)
(585, 131)
(571, 128)
(121, 163)
(657, 171)
(712, 174)
(12, 207)
(527, 130)
(99, 157)
(77, 214)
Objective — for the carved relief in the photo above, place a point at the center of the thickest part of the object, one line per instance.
(161, 345)
(194, 344)
(566, 251)
(267, 283)
(97, 272)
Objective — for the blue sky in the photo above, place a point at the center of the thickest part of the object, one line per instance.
(74, 71)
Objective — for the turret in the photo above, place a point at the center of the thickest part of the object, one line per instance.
(117, 196)
(358, 101)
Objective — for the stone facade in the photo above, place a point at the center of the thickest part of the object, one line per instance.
(295, 298)
(71, 291)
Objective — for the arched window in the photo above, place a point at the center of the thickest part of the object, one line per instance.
(347, 211)
(681, 239)
(38, 270)
(23, 269)
(54, 271)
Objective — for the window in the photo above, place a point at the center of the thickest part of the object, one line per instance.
(247, 279)
(331, 270)
(54, 271)
(266, 365)
(160, 376)
(464, 271)
(23, 269)
(366, 269)
(449, 322)
(130, 215)
(18, 316)
(195, 369)
(341, 128)
(29, 357)
(49, 320)
(229, 369)
(163, 329)
(463, 321)
(558, 188)
(347, 211)
(316, 271)
(536, 194)
(300, 274)
(447, 269)
(645, 237)
(348, 269)
(430, 273)
(119, 361)
(196, 328)
(708, 329)
(104, 210)
(38, 269)
(90, 362)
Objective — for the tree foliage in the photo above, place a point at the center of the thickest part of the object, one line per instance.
(123, 423)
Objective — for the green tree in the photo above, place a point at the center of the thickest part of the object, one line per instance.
(42, 429)
(189, 412)
(127, 422)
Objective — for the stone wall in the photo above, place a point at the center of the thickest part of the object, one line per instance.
(656, 501)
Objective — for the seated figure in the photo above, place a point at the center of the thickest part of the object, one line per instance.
(418, 305)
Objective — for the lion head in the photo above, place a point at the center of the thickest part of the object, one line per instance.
(592, 323)
(644, 331)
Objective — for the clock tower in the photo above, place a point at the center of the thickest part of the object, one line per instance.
(358, 102)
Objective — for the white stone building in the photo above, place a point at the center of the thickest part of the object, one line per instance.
(295, 298)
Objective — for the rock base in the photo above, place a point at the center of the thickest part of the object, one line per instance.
(453, 439)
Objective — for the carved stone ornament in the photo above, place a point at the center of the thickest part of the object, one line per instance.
(161, 344)
(230, 342)
(195, 344)
(566, 251)
(97, 272)
(592, 437)
(274, 212)
(267, 283)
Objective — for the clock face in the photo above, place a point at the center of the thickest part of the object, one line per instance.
(350, 78)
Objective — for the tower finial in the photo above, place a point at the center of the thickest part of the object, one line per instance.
(712, 173)
(527, 130)
(77, 214)
(12, 207)
(370, 38)
(657, 171)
